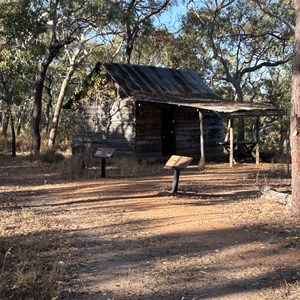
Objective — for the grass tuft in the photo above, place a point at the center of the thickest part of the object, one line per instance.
(31, 250)
(51, 156)
(129, 166)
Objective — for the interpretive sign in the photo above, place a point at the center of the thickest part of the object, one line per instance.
(104, 153)
(177, 163)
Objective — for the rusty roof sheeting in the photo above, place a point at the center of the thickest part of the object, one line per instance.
(177, 87)
(158, 81)
(217, 105)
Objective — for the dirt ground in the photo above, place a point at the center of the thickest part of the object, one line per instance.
(128, 238)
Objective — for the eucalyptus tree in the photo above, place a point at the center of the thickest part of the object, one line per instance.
(240, 40)
(61, 28)
(136, 16)
(51, 26)
(161, 47)
(17, 31)
(94, 31)
(14, 87)
(295, 118)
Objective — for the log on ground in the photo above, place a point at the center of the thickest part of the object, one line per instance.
(270, 193)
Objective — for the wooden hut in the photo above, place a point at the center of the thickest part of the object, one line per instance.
(152, 113)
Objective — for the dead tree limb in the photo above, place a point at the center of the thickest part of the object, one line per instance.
(271, 194)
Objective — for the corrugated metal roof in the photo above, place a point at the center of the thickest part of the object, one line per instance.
(217, 105)
(176, 87)
(159, 81)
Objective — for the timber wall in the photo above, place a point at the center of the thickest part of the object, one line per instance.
(109, 125)
(187, 128)
(148, 131)
(135, 129)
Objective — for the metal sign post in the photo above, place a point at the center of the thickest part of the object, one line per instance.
(177, 163)
(104, 154)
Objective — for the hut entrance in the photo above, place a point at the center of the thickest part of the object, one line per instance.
(168, 137)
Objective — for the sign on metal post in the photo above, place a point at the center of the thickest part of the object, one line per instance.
(177, 163)
(104, 153)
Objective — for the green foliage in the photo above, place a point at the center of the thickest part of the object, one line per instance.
(239, 40)
(22, 19)
(162, 48)
(221, 40)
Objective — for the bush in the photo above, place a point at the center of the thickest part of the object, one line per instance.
(51, 156)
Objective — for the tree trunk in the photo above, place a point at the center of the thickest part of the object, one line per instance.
(39, 85)
(131, 35)
(37, 106)
(5, 121)
(49, 105)
(13, 135)
(55, 120)
(241, 122)
(20, 122)
(295, 118)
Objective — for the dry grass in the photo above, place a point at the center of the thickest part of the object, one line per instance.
(51, 156)
(129, 167)
(30, 267)
(71, 166)
(115, 168)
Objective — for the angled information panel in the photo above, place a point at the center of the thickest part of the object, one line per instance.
(104, 152)
(178, 162)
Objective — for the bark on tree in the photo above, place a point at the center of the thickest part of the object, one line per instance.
(5, 120)
(37, 106)
(295, 118)
(56, 115)
(39, 85)
(134, 23)
(20, 121)
(75, 61)
(49, 104)
(13, 134)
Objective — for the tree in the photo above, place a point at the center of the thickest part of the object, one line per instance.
(19, 27)
(295, 118)
(11, 96)
(160, 47)
(136, 17)
(240, 40)
(76, 56)
(14, 87)
(57, 41)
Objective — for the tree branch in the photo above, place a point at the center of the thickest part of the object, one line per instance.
(265, 64)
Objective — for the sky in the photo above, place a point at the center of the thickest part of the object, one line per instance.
(171, 18)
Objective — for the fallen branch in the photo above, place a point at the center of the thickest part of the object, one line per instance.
(270, 193)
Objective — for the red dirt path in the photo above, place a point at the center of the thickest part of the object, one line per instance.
(128, 238)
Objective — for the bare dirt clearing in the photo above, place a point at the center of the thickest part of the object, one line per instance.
(127, 238)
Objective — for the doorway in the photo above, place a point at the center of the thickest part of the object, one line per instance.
(168, 136)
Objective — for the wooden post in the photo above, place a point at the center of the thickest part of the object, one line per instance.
(175, 181)
(231, 145)
(228, 130)
(202, 154)
(257, 141)
(103, 164)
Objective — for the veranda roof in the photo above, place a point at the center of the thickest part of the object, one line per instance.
(177, 87)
